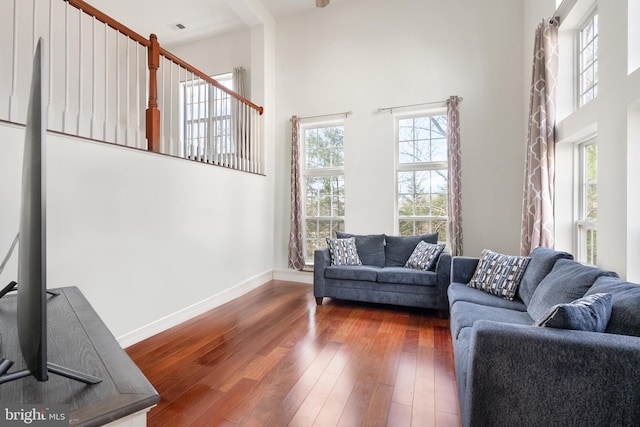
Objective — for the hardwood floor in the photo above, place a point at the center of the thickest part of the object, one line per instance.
(274, 358)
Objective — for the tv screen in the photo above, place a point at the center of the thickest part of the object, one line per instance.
(32, 280)
(32, 270)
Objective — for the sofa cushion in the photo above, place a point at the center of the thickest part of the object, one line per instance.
(499, 274)
(352, 272)
(343, 251)
(370, 247)
(542, 261)
(424, 256)
(461, 292)
(590, 313)
(465, 314)
(567, 281)
(625, 310)
(407, 276)
(398, 249)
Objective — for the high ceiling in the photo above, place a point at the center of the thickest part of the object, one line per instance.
(201, 18)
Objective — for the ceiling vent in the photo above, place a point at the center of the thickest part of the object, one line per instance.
(178, 26)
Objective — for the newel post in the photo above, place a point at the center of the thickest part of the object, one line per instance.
(153, 113)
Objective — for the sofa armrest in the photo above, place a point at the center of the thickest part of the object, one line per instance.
(462, 268)
(443, 271)
(530, 376)
(321, 260)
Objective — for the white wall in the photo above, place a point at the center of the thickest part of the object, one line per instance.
(142, 235)
(361, 55)
(218, 55)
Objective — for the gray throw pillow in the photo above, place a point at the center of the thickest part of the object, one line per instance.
(590, 313)
(370, 247)
(567, 281)
(398, 249)
(625, 312)
(343, 251)
(424, 256)
(499, 274)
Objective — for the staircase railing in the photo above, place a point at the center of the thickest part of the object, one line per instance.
(109, 83)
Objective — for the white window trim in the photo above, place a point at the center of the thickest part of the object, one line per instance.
(581, 225)
(304, 173)
(588, 16)
(210, 119)
(409, 167)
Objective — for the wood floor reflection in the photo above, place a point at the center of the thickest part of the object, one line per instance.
(274, 358)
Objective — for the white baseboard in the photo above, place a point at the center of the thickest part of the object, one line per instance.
(194, 310)
(294, 276)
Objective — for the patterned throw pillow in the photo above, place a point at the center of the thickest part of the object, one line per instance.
(590, 313)
(424, 256)
(343, 251)
(499, 274)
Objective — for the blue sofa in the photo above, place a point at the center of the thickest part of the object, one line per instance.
(383, 277)
(511, 373)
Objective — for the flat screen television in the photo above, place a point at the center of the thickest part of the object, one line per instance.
(31, 309)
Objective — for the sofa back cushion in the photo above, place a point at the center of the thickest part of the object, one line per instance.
(370, 247)
(398, 249)
(542, 261)
(625, 311)
(567, 281)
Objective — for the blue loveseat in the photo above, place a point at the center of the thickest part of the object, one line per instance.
(383, 277)
(511, 373)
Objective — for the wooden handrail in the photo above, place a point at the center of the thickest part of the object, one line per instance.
(209, 80)
(100, 16)
(154, 51)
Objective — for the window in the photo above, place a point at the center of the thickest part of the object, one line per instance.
(588, 60)
(586, 230)
(323, 172)
(422, 174)
(206, 116)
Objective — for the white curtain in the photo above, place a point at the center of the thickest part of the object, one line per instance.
(454, 171)
(296, 242)
(538, 225)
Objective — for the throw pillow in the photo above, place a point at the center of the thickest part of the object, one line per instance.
(370, 247)
(499, 274)
(590, 313)
(343, 251)
(398, 249)
(424, 256)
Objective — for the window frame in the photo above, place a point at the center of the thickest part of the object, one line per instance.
(584, 226)
(416, 167)
(187, 148)
(588, 19)
(306, 173)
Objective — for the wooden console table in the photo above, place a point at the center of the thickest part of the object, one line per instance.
(78, 339)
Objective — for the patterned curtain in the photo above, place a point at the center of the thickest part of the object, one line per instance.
(296, 244)
(539, 180)
(454, 208)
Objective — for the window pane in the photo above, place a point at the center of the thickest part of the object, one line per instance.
(422, 139)
(422, 193)
(324, 147)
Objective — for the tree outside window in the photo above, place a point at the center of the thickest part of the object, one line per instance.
(586, 226)
(422, 175)
(323, 171)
